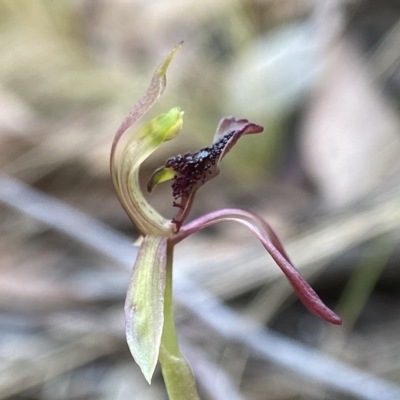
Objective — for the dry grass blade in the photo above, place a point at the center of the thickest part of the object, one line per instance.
(18, 377)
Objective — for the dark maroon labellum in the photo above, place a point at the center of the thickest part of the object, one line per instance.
(195, 169)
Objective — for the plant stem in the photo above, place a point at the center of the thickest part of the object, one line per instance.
(178, 376)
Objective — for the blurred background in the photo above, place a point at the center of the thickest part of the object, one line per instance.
(322, 77)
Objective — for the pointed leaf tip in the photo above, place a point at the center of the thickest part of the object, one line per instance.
(162, 69)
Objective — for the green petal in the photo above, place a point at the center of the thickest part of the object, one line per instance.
(144, 306)
(161, 174)
(144, 142)
(124, 170)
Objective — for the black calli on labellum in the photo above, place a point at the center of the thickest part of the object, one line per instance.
(192, 170)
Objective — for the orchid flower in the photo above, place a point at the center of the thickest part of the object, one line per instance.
(150, 329)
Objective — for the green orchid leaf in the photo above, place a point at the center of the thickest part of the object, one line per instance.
(178, 376)
(124, 169)
(144, 306)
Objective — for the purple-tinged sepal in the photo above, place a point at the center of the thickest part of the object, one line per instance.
(263, 231)
(125, 165)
